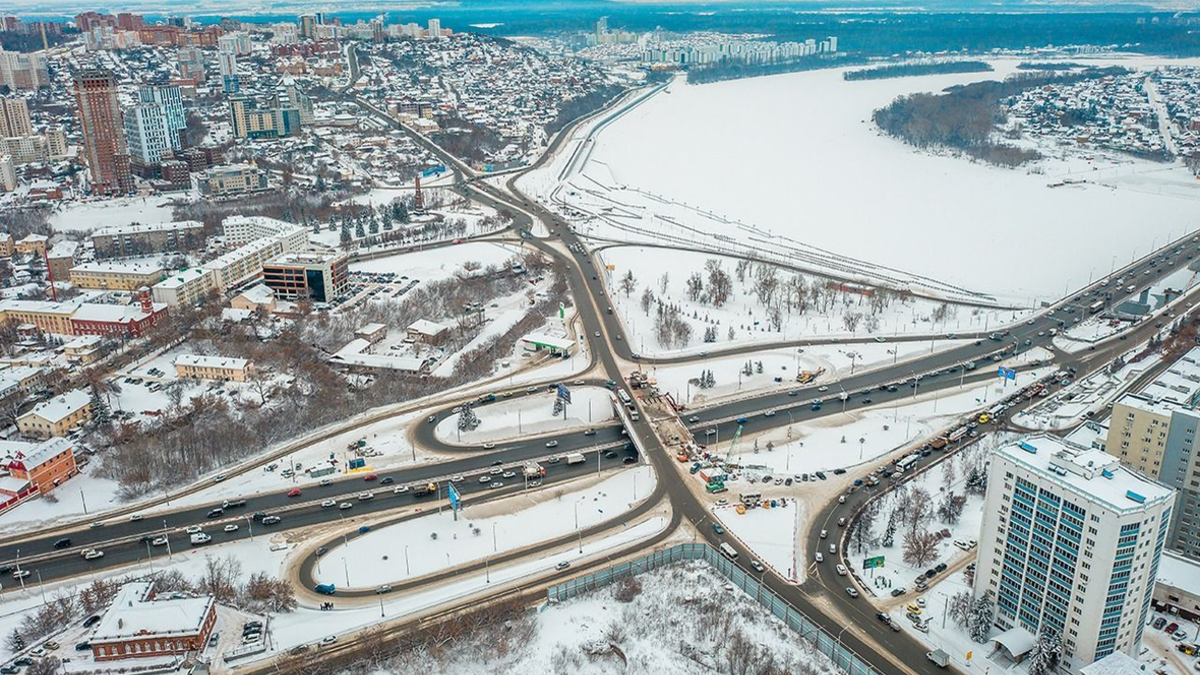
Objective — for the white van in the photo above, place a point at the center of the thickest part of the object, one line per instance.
(728, 551)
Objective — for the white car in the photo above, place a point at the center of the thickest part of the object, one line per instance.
(833, 549)
(135, 517)
(92, 554)
(364, 496)
(21, 574)
(328, 503)
(824, 534)
(328, 640)
(193, 529)
(346, 505)
(551, 444)
(159, 541)
(400, 489)
(852, 592)
(822, 388)
(485, 479)
(841, 570)
(231, 528)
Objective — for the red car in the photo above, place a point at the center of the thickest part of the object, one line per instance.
(370, 477)
(294, 492)
(1172, 628)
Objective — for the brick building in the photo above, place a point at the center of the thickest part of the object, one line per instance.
(139, 625)
(44, 466)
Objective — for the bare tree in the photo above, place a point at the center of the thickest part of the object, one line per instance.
(920, 548)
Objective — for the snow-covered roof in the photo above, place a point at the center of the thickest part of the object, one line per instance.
(201, 361)
(1179, 572)
(118, 268)
(427, 327)
(259, 294)
(370, 329)
(131, 614)
(60, 407)
(64, 249)
(1116, 663)
(113, 313)
(1017, 641)
(13, 485)
(181, 277)
(548, 340)
(153, 227)
(84, 342)
(1090, 473)
(355, 354)
(32, 455)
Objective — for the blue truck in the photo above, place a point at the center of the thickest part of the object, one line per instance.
(325, 589)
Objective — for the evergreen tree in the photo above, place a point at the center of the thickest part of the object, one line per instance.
(889, 534)
(373, 228)
(332, 223)
(559, 407)
(979, 625)
(316, 228)
(345, 238)
(387, 222)
(101, 417)
(358, 229)
(1046, 653)
(467, 419)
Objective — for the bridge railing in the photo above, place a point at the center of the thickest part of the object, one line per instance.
(821, 640)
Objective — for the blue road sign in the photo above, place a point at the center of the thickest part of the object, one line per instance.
(564, 393)
(1007, 373)
(453, 492)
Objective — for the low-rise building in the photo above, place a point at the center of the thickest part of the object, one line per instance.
(258, 296)
(428, 332)
(307, 276)
(44, 466)
(83, 349)
(185, 287)
(7, 245)
(243, 263)
(223, 368)
(132, 240)
(57, 416)
(116, 276)
(32, 243)
(1177, 589)
(372, 332)
(62, 259)
(241, 230)
(234, 179)
(139, 625)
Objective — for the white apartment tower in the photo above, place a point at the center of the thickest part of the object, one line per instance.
(146, 135)
(1070, 544)
(435, 28)
(170, 100)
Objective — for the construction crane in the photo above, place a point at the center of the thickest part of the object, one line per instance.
(737, 437)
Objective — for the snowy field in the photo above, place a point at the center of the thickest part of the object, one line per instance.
(773, 534)
(530, 415)
(842, 315)
(682, 380)
(91, 215)
(802, 185)
(439, 542)
(439, 263)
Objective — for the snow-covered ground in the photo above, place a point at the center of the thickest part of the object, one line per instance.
(439, 263)
(531, 415)
(440, 542)
(749, 318)
(653, 172)
(91, 215)
(772, 533)
(682, 380)
(840, 441)
(649, 630)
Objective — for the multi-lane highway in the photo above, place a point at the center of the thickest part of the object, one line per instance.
(126, 541)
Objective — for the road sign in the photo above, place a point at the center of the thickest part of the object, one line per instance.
(1007, 373)
(610, 268)
(872, 563)
(969, 654)
(564, 393)
(453, 492)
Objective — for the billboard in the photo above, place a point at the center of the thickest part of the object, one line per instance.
(564, 393)
(872, 563)
(1007, 373)
(453, 492)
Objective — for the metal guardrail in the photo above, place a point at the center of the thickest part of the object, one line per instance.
(829, 645)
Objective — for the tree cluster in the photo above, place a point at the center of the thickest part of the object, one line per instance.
(913, 69)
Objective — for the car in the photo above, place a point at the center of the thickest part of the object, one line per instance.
(551, 444)
(718, 529)
(589, 432)
(820, 557)
(823, 388)
(867, 400)
(1179, 636)
(37, 652)
(489, 446)
(371, 477)
(193, 529)
(710, 432)
(400, 489)
(851, 591)
(328, 640)
(135, 517)
(1159, 623)
(383, 589)
(91, 621)
(431, 419)
(232, 527)
(485, 479)
(1172, 627)
(294, 492)
(597, 333)
(271, 520)
(921, 602)
(157, 541)
(821, 475)
(457, 478)
(328, 503)
(913, 608)
(824, 534)
(79, 647)
(387, 480)
(693, 419)
(562, 565)
(215, 513)
(495, 471)
(833, 548)
(508, 474)
(495, 485)
(841, 570)
(769, 413)
(897, 592)
(364, 496)
(758, 567)
(218, 478)
(92, 554)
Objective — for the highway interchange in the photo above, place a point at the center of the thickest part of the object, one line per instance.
(126, 541)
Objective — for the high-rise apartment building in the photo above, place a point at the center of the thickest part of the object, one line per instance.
(1153, 431)
(170, 99)
(289, 95)
(227, 66)
(23, 71)
(14, 117)
(146, 134)
(435, 28)
(103, 132)
(1070, 545)
(249, 120)
(237, 44)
